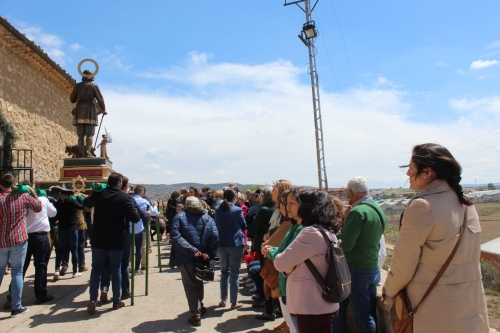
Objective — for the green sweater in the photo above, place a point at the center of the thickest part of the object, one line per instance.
(361, 235)
(272, 253)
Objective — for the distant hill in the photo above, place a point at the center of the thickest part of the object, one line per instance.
(164, 190)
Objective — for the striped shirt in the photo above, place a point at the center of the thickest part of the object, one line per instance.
(13, 211)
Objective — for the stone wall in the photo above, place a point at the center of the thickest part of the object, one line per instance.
(27, 86)
(47, 139)
(37, 107)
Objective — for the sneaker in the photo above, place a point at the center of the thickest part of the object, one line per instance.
(84, 269)
(56, 276)
(195, 320)
(91, 308)
(254, 289)
(63, 271)
(8, 304)
(250, 285)
(75, 275)
(18, 312)
(104, 296)
(118, 305)
(46, 299)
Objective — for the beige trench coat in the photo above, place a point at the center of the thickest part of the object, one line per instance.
(430, 229)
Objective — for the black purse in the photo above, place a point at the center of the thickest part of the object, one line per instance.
(203, 270)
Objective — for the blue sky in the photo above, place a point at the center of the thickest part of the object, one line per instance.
(219, 91)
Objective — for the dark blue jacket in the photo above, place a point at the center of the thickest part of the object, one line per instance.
(230, 224)
(190, 233)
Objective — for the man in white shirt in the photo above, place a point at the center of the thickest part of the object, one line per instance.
(38, 228)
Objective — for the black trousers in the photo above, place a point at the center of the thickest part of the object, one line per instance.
(314, 323)
(39, 248)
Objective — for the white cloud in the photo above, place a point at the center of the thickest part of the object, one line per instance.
(256, 125)
(479, 64)
(75, 47)
(50, 43)
(493, 45)
(443, 64)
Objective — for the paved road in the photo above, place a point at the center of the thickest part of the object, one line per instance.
(165, 309)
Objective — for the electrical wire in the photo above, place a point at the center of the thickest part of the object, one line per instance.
(494, 146)
(484, 144)
(477, 137)
(343, 104)
(356, 92)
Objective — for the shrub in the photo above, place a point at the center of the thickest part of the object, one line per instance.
(491, 275)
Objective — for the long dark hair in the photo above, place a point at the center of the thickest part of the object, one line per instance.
(228, 196)
(316, 208)
(439, 159)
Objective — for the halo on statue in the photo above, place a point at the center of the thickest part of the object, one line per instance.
(88, 75)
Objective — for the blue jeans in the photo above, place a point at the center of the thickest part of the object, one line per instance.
(17, 255)
(67, 241)
(105, 278)
(254, 273)
(230, 262)
(363, 300)
(115, 260)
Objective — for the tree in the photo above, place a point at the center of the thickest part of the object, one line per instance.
(491, 186)
(410, 196)
(385, 196)
(393, 195)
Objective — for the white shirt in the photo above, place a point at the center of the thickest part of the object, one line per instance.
(40, 221)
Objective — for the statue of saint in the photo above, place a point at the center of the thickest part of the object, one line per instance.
(85, 94)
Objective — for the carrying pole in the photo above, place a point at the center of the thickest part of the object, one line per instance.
(158, 237)
(148, 243)
(132, 264)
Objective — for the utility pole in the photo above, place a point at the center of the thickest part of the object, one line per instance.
(308, 36)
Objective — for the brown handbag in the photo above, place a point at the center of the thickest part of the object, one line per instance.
(270, 274)
(401, 314)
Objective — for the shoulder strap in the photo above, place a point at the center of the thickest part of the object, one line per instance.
(313, 269)
(316, 275)
(376, 210)
(443, 268)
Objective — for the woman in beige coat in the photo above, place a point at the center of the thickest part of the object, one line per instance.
(430, 229)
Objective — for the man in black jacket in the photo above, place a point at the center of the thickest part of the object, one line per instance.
(112, 208)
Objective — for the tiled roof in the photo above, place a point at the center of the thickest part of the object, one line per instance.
(28, 50)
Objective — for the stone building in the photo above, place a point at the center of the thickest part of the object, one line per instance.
(34, 107)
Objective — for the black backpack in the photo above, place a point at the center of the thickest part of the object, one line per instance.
(337, 285)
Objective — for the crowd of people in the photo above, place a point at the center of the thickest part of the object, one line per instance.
(274, 228)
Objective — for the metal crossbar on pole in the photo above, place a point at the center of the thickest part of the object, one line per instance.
(318, 123)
